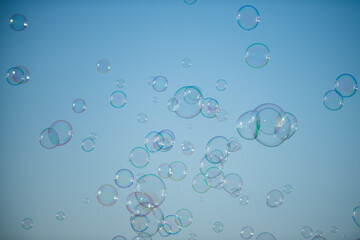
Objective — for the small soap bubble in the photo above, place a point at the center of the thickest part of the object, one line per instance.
(222, 114)
(120, 83)
(60, 216)
(160, 83)
(192, 236)
(88, 144)
(287, 188)
(150, 80)
(107, 195)
(334, 229)
(18, 22)
(307, 232)
(257, 55)
(142, 118)
(139, 157)
(155, 99)
(187, 148)
(179, 171)
(274, 199)
(333, 100)
(247, 232)
(356, 215)
(15, 76)
(244, 200)
(118, 99)
(124, 178)
(346, 85)
(218, 227)
(86, 200)
(79, 105)
(27, 223)
(248, 17)
(186, 63)
(173, 104)
(221, 84)
(103, 65)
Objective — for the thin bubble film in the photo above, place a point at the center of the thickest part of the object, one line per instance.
(107, 195)
(124, 178)
(346, 85)
(257, 55)
(248, 17)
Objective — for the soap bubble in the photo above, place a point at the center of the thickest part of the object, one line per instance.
(103, 65)
(318, 233)
(190, 2)
(221, 84)
(186, 63)
(120, 83)
(134, 206)
(265, 236)
(154, 141)
(15, 76)
(189, 101)
(172, 224)
(334, 229)
(346, 85)
(152, 186)
(209, 169)
(173, 104)
(60, 216)
(118, 99)
(199, 184)
(244, 200)
(257, 55)
(86, 200)
(248, 17)
(218, 181)
(165, 171)
(49, 138)
(142, 118)
(232, 182)
(287, 188)
(18, 22)
(139, 157)
(139, 223)
(356, 215)
(27, 223)
(274, 199)
(192, 236)
(107, 195)
(79, 105)
(247, 232)
(187, 148)
(185, 217)
(162, 231)
(179, 171)
(333, 100)
(234, 145)
(167, 141)
(160, 83)
(64, 131)
(307, 232)
(217, 149)
(26, 74)
(88, 144)
(222, 114)
(246, 125)
(124, 178)
(210, 108)
(218, 227)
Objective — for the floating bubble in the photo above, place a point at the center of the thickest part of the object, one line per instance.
(307, 232)
(64, 131)
(155, 99)
(154, 141)
(346, 85)
(119, 237)
(124, 178)
(93, 136)
(232, 182)
(333, 100)
(173, 104)
(210, 170)
(160, 83)
(356, 215)
(210, 108)
(185, 217)
(257, 55)
(27, 223)
(79, 105)
(199, 184)
(189, 101)
(103, 65)
(333, 229)
(274, 199)
(139, 223)
(192, 236)
(142, 236)
(168, 140)
(18, 22)
(265, 236)
(222, 114)
(139, 157)
(49, 138)
(154, 188)
(218, 227)
(118, 99)
(244, 200)
(120, 83)
(26, 74)
(248, 17)
(179, 171)
(187, 148)
(156, 218)
(88, 144)
(293, 123)
(221, 84)
(247, 232)
(246, 125)
(217, 149)
(215, 179)
(190, 2)
(142, 118)
(234, 145)
(107, 195)
(235, 193)
(172, 224)
(15, 76)
(85, 200)
(287, 188)
(60, 216)
(134, 206)
(162, 231)
(186, 63)
(165, 171)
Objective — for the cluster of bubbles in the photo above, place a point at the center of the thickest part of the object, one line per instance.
(58, 134)
(79, 105)
(307, 232)
(18, 75)
(187, 148)
(275, 198)
(176, 171)
(345, 86)
(88, 144)
(162, 141)
(268, 124)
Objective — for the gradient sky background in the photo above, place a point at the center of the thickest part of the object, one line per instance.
(311, 43)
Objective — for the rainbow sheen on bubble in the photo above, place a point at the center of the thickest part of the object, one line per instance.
(107, 195)
(154, 188)
(179, 170)
(27, 223)
(356, 215)
(185, 217)
(88, 144)
(49, 138)
(64, 131)
(248, 17)
(160, 83)
(124, 178)
(139, 157)
(60, 216)
(172, 224)
(187, 148)
(15, 76)
(189, 101)
(218, 227)
(165, 171)
(257, 55)
(210, 108)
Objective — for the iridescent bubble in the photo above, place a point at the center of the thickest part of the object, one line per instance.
(119, 237)
(93, 136)
(246, 232)
(165, 171)
(153, 187)
(172, 224)
(167, 143)
(274, 199)
(186, 63)
(103, 65)
(218, 227)
(293, 123)
(187, 148)
(287, 188)
(232, 182)
(210, 108)
(15, 76)
(49, 138)
(199, 184)
(118, 99)
(107, 195)
(139, 223)
(120, 83)
(222, 114)
(18, 22)
(27, 223)
(265, 236)
(346, 85)
(248, 17)
(155, 99)
(244, 200)
(124, 178)
(257, 55)
(333, 229)
(221, 84)
(142, 118)
(156, 219)
(246, 125)
(307, 232)
(173, 104)
(185, 217)
(217, 149)
(64, 131)
(139, 157)
(160, 83)
(134, 206)
(179, 171)
(333, 100)
(79, 105)
(356, 215)
(60, 216)
(192, 236)
(236, 193)
(88, 144)
(189, 101)
(234, 145)
(190, 2)
(154, 141)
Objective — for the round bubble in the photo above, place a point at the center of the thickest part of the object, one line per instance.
(168, 140)
(60, 216)
(346, 85)
(160, 83)
(139, 157)
(154, 141)
(236, 193)
(234, 145)
(18, 22)
(162, 231)
(134, 206)
(218, 227)
(64, 131)
(27, 223)
(187, 148)
(118, 99)
(139, 223)
(232, 182)
(307, 232)
(124, 178)
(333, 100)
(49, 138)
(318, 233)
(165, 171)
(119, 237)
(287, 188)
(247, 232)
(190, 2)
(274, 199)
(172, 104)
(217, 149)
(15, 76)
(210, 108)
(333, 229)
(88, 144)
(154, 188)
(93, 136)
(265, 236)
(244, 200)
(186, 63)
(222, 114)
(356, 215)
(185, 217)
(107, 195)
(199, 184)
(120, 83)
(192, 236)
(246, 125)
(189, 100)
(210, 170)
(217, 181)
(221, 84)
(257, 55)
(179, 171)
(248, 17)
(79, 105)
(155, 99)
(103, 65)
(172, 224)
(142, 118)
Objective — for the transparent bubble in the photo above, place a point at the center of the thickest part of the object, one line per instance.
(179, 171)
(186, 63)
(120, 83)
(79, 105)
(287, 188)
(162, 231)
(88, 144)
(333, 229)
(190, 2)
(244, 200)
(234, 145)
(218, 181)
(333, 101)
(257, 55)
(134, 206)
(221, 84)
(189, 101)
(118, 99)
(246, 232)
(246, 126)
(232, 182)
(107, 195)
(248, 17)
(49, 138)
(172, 224)
(265, 236)
(154, 141)
(235, 193)
(139, 223)
(139, 157)
(119, 237)
(27, 223)
(187, 148)
(199, 184)
(293, 123)
(15, 76)
(356, 215)
(153, 187)
(209, 169)
(346, 85)
(168, 140)
(124, 178)
(307, 232)
(18, 22)
(274, 199)
(185, 217)
(103, 65)
(222, 114)
(155, 99)
(217, 149)
(93, 136)
(165, 171)
(64, 131)
(173, 104)
(86, 200)
(160, 83)
(60, 216)
(192, 236)
(142, 118)
(150, 80)
(210, 108)
(218, 227)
